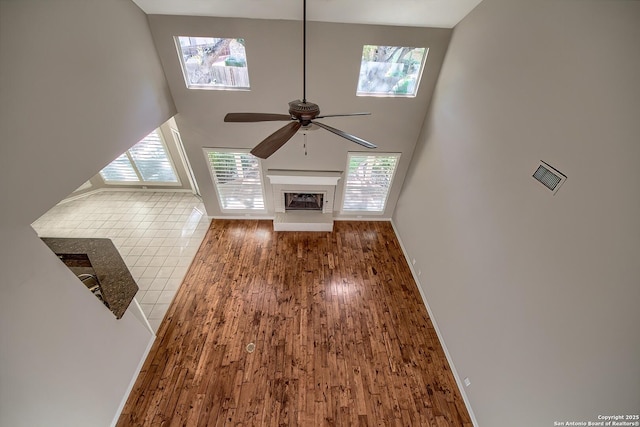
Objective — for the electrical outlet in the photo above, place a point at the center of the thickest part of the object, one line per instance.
(467, 382)
(419, 273)
(413, 261)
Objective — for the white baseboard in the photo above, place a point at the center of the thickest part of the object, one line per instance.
(461, 387)
(364, 218)
(73, 197)
(133, 381)
(252, 217)
(272, 216)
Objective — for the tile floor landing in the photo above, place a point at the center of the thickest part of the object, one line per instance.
(156, 233)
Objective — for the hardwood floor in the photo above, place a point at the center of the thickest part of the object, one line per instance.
(341, 336)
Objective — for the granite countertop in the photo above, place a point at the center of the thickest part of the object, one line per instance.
(117, 285)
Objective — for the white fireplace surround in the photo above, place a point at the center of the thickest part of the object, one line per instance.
(292, 181)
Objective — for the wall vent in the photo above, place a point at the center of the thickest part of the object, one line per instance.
(549, 176)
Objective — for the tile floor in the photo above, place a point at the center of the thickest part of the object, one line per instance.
(156, 233)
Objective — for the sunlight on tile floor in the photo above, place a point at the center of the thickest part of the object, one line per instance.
(156, 233)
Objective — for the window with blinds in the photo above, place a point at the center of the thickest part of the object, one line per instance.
(368, 181)
(146, 162)
(237, 178)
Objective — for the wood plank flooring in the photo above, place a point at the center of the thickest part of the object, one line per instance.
(341, 336)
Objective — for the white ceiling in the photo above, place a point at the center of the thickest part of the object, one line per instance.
(415, 13)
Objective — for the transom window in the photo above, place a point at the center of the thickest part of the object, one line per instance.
(391, 70)
(237, 178)
(213, 63)
(147, 162)
(368, 181)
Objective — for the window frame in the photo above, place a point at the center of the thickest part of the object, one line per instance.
(352, 154)
(206, 151)
(199, 86)
(141, 181)
(391, 94)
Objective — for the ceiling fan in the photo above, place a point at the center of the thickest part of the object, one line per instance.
(301, 113)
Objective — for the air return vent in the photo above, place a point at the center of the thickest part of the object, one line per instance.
(549, 176)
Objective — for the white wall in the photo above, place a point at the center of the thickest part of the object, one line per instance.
(536, 295)
(80, 82)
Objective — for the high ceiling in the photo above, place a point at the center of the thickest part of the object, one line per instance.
(337, 32)
(415, 13)
(274, 58)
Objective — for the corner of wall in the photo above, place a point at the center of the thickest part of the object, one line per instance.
(416, 279)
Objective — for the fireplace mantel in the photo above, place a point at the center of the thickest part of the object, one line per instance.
(294, 177)
(295, 181)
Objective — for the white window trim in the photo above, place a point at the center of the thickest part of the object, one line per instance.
(142, 182)
(206, 151)
(346, 182)
(195, 86)
(393, 95)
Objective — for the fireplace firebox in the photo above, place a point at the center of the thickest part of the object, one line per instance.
(303, 201)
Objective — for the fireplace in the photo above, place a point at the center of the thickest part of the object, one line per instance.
(303, 201)
(312, 191)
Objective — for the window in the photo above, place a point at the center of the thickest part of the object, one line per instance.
(390, 70)
(213, 63)
(368, 181)
(237, 178)
(146, 162)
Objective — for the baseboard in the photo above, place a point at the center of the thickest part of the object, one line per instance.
(364, 218)
(461, 387)
(252, 217)
(73, 197)
(270, 217)
(133, 381)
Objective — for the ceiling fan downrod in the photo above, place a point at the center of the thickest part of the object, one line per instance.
(301, 113)
(304, 51)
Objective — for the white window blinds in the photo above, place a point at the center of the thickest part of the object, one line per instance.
(368, 181)
(145, 162)
(237, 178)
(120, 170)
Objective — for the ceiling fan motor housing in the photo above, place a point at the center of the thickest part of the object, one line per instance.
(303, 111)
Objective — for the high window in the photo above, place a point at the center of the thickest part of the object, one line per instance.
(213, 63)
(368, 181)
(237, 178)
(147, 162)
(391, 70)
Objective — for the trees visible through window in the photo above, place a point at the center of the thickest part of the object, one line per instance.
(390, 70)
(146, 162)
(368, 181)
(213, 63)
(237, 178)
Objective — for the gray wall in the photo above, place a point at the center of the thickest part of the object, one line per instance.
(536, 295)
(274, 58)
(80, 82)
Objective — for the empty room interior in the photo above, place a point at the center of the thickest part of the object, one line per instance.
(306, 212)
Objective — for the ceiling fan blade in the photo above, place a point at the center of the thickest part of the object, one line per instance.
(343, 115)
(256, 117)
(276, 140)
(348, 136)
